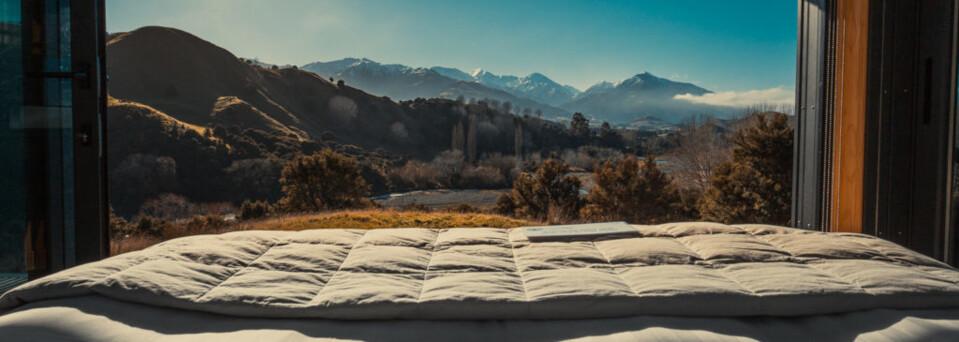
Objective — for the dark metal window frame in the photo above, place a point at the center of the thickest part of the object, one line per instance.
(90, 130)
(808, 154)
(910, 121)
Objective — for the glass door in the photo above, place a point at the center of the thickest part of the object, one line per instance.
(49, 145)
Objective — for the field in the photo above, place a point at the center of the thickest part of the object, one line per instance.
(360, 219)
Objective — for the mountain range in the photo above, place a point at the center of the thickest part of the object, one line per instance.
(640, 96)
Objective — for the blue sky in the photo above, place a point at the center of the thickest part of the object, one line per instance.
(731, 47)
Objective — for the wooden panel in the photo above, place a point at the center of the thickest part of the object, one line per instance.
(849, 106)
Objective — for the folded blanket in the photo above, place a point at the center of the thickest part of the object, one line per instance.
(681, 269)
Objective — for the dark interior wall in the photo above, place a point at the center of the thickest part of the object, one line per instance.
(911, 77)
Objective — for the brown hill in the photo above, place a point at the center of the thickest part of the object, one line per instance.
(185, 77)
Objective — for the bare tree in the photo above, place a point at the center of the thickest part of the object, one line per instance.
(698, 152)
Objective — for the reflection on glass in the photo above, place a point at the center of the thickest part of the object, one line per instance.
(36, 159)
(12, 203)
(955, 182)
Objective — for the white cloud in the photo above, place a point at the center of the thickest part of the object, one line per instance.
(772, 96)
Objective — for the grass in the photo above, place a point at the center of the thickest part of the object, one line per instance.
(359, 219)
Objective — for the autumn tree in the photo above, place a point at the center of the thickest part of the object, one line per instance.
(548, 194)
(323, 181)
(755, 186)
(633, 191)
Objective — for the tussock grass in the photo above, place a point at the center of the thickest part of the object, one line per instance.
(371, 219)
(356, 219)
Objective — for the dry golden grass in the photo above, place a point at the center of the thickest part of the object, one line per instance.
(112, 101)
(370, 219)
(361, 219)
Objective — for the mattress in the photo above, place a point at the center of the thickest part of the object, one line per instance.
(681, 269)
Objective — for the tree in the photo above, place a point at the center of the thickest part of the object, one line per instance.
(457, 138)
(755, 186)
(608, 137)
(548, 194)
(471, 141)
(139, 177)
(699, 151)
(507, 107)
(634, 191)
(518, 141)
(579, 126)
(323, 181)
(539, 113)
(251, 210)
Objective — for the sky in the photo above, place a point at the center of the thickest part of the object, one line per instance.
(744, 50)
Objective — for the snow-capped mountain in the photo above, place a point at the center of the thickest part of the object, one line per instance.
(535, 86)
(405, 83)
(640, 96)
(643, 95)
(454, 73)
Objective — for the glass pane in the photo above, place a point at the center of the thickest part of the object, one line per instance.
(36, 216)
(12, 181)
(441, 121)
(954, 225)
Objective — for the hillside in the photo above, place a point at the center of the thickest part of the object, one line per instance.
(190, 118)
(187, 77)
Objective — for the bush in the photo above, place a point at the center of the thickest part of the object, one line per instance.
(462, 208)
(148, 225)
(195, 226)
(254, 210)
(755, 186)
(323, 181)
(633, 191)
(417, 207)
(169, 207)
(548, 195)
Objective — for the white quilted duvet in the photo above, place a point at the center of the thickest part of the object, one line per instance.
(682, 269)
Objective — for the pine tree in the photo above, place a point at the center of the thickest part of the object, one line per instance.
(579, 126)
(634, 191)
(755, 186)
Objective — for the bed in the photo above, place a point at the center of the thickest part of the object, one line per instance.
(678, 281)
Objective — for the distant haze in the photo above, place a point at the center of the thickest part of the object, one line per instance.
(741, 50)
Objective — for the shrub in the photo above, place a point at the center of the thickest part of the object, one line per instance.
(548, 194)
(417, 207)
(462, 208)
(483, 177)
(149, 225)
(169, 207)
(755, 186)
(634, 191)
(254, 210)
(194, 226)
(323, 181)
(118, 226)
